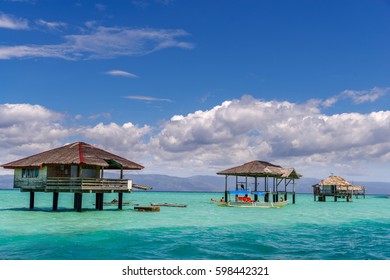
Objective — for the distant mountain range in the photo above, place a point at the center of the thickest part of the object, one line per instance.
(212, 183)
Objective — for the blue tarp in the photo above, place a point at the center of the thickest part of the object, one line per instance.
(240, 192)
(259, 193)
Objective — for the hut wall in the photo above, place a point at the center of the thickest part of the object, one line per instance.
(90, 172)
(58, 170)
(329, 189)
(67, 171)
(30, 177)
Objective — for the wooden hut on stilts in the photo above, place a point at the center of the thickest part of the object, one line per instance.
(262, 179)
(76, 168)
(337, 187)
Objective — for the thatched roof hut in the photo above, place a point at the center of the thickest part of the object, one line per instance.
(340, 183)
(78, 153)
(337, 187)
(259, 168)
(74, 168)
(262, 169)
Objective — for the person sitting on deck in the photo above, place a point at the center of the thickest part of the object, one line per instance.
(281, 199)
(247, 198)
(221, 200)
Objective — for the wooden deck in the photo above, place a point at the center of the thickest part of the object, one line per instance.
(61, 184)
(336, 194)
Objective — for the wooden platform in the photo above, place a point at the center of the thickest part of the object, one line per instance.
(147, 208)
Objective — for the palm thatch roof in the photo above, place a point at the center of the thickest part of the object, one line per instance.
(259, 168)
(78, 153)
(334, 181)
(340, 183)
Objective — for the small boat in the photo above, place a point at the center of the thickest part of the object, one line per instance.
(243, 200)
(255, 204)
(169, 204)
(115, 203)
(147, 208)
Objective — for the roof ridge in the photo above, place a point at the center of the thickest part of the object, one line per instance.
(81, 153)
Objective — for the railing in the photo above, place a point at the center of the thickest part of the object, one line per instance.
(77, 183)
(340, 192)
(66, 184)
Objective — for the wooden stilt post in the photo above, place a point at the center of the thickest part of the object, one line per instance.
(55, 201)
(256, 196)
(75, 201)
(293, 198)
(226, 186)
(101, 198)
(285, 189)
(335, 198)
(32, 196)
(97, 201)
(293, 182)
(78, 201)
(120, 200)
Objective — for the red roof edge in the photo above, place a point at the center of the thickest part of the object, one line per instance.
(81, 154)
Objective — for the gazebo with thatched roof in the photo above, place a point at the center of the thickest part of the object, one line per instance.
(337, 187)
(76, 168)
(268, 171)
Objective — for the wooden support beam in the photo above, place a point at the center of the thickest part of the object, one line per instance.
(75, 201)
(32, 198)
(120, 200)
(256, 196)
(226, 188)
(97, 201)
(78, 197)
(55, 201)
(101, 202)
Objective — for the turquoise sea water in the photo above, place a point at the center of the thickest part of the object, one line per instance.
(307, 230)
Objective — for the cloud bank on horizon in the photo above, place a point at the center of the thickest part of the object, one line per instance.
(234, 132)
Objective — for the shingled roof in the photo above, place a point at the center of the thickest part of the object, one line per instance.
(78, 153)
(259, 168)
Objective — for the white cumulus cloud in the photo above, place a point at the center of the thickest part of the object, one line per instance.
(247, 129)
(12, 22)
(204, 142)
(26, 128)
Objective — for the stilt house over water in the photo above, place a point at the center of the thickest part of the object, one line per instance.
(262, 179)
(337, 187)
(75, 168)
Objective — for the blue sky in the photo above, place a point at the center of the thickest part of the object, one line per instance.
(193, 87)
